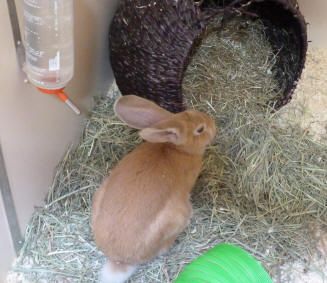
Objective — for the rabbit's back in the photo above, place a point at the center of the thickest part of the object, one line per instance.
(144, 204)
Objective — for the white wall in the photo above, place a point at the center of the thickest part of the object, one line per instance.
(315, 13)
(36, 129)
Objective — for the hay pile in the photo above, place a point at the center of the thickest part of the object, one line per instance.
(263, 186)
(272, 175)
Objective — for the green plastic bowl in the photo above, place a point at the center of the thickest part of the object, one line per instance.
(224, 264)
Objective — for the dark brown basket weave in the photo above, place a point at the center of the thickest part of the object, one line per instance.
(151, 42)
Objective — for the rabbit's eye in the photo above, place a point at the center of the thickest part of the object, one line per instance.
(199, 130)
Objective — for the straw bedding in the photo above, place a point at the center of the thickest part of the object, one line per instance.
(263, 184)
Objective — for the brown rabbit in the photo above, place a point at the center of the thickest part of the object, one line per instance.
(144, 204)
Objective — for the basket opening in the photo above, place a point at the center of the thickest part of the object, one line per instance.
(233, 62)
(285, 35)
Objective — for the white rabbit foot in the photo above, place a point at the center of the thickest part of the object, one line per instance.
(116, 273)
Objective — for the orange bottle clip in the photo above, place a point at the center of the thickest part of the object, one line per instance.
(62, 96)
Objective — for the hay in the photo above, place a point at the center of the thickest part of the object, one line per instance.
(262, 187)
(271, 177)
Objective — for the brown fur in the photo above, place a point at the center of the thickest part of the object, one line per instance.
(144, 204)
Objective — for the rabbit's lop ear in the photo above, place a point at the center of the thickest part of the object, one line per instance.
(138, 112)
(166, 131)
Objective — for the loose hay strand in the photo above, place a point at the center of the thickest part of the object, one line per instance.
(263, 184)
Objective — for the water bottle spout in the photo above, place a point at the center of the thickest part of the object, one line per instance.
(63, 97)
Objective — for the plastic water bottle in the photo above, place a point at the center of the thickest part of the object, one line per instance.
(49, 44)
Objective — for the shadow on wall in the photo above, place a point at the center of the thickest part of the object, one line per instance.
(93, 72)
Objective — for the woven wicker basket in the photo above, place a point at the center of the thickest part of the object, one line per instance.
(151, 42)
